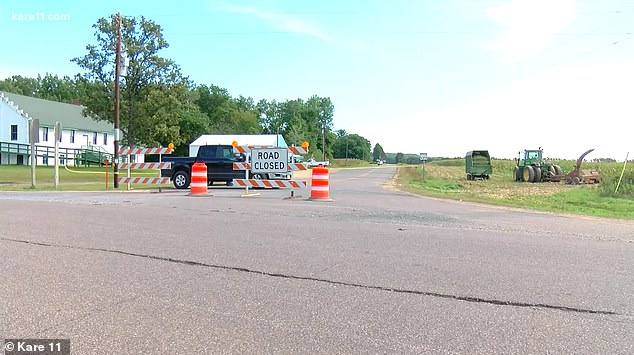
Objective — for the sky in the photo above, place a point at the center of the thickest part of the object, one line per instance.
(436, 77)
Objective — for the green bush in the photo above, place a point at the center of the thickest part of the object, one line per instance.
(609, 183)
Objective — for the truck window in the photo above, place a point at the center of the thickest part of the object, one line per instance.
(207, 152)
(227, 153)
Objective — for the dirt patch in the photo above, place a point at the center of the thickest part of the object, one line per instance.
(498, 187)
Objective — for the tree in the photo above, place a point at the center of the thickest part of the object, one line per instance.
(378, 153)
(351, 146)
(149, 76)
(399, 158)
(173, 115)
(59, 89)
(20, 85)
(49, 87)
(226, 114)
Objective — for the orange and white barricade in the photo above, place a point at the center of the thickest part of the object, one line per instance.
(198, 184)
(128, 151)
(320, 184)
(268, 184)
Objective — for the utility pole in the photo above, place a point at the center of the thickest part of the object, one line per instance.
(346, 150)
(116, 104)
(323, 141)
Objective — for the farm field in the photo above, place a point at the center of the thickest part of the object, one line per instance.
(447, 179)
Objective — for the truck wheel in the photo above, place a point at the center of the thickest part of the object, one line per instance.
(469, 177)
(181, 180)
(538, 175)
(229, 182)
(257, 177)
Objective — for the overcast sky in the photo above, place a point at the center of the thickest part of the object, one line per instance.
(441, 77)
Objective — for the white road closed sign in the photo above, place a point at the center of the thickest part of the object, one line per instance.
(269, 160)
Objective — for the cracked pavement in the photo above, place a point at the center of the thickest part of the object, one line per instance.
(374, 271)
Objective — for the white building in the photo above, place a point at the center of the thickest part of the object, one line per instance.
(83, 138)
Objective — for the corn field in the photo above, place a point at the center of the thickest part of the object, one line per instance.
(610, 173)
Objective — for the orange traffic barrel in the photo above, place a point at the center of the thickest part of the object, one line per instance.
(198, 185)
(320, 184)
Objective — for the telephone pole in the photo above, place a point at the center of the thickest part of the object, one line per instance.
(323, 141)
(116, 103)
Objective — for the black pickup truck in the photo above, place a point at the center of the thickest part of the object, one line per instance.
(219, 160)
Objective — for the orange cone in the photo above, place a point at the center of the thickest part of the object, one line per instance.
(320, 185)
(198, 185)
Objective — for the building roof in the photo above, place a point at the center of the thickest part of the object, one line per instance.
(275, 140)
(48, 112)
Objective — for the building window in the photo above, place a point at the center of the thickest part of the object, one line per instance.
(14, 132)
(94, 138)
(72, 136)
(105, 139)
(45, 159)
(45, 134)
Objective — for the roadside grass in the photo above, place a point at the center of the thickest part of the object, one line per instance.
(447, 179)
(348, 163)
(18, 178)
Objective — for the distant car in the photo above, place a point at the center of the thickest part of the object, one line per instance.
(379, 162)
(312, 162)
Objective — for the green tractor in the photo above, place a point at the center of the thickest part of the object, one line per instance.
(533, 168)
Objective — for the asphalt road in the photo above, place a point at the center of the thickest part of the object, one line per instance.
(374, 271)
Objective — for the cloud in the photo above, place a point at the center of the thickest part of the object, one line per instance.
(282, 21)
(530, 25)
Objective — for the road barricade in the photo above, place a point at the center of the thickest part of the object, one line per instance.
(320, 185)
(198, 184)
(269, 184)
(137, 166)
(266, 183)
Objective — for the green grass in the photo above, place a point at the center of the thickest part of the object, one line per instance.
(18, 178)
(348, 163)
(447, 179)
(449, 162)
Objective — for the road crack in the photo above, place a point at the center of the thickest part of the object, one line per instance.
(326, 281)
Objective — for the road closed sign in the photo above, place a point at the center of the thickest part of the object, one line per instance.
(269, 160)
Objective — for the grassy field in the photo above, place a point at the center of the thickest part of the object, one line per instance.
(348, 163)
(447, 179)
(18, 178)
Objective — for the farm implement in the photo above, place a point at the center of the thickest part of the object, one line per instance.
(583, 176)
(534, 168)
